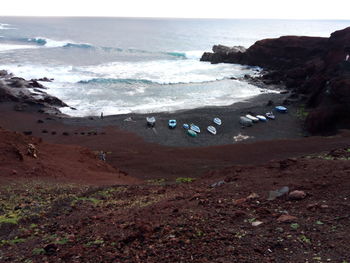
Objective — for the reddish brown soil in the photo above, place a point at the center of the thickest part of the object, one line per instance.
(195, 222)
(64, 163)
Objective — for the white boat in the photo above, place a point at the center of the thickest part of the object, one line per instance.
(261, 117)
(186, 126)
(211, 129)
(195, 128)
(151, 121)
(270, 115)
(252, 118)
(217, 121)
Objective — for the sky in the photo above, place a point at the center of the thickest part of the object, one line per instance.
(269, 9)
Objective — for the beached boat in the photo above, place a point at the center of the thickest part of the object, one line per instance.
(245, 121)
(281, 109)
(270, 115)
(261, 118)
(172, 124)
(217, 121)
(151, 121)
(211, 129)
(195, 128)
(186, 126)
(192, 133)
(252, 118)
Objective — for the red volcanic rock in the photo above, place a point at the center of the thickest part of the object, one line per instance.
(297, 195)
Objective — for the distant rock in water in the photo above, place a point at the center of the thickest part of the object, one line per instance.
(223, 54)
(316, 68)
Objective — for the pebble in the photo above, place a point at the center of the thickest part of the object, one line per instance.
(297, 195)
(257, 223)
(286, 219)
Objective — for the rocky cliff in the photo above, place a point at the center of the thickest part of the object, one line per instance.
(315, 67)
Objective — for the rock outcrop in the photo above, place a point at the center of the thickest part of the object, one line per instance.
(27, 92)
(314, 68)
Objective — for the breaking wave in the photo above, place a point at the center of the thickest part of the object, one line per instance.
(47, 42)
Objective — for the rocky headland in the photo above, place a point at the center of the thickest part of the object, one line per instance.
(315, 69)
(28, 92)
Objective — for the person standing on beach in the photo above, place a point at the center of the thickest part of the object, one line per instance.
(102, 156)
(101, 115)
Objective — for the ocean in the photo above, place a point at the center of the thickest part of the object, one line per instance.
(139, 65)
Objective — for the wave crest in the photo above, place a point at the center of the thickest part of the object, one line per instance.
(112, 81)
(47, 42)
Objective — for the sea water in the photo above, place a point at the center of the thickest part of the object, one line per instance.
(140, 65)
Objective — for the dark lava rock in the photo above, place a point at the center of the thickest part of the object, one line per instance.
(27, 132)
(50, 249)
(44, 131)
(314, 68)
(40, 121)
(65, 133)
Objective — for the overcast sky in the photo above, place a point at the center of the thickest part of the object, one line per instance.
(286, 9)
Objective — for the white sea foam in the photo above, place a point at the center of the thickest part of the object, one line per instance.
(167, 71)
(62, 74)
(159, 98)
(5, 26)
(160, 72)
(9, 47)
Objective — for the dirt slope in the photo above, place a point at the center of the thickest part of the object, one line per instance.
(68, 163)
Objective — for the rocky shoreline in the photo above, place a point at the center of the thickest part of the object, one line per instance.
(28, 92)
(316, 70)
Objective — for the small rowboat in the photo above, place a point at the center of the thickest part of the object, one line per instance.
(251, 117)
(281, 109)
(186, 126)
(191, 133)
(195, 128)
(217, 121)
(270, 115)
(172, 124)
(211, 129)
(151, 121)
(245, 121)
(261, 118)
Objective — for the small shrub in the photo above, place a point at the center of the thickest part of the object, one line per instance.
(180, 180)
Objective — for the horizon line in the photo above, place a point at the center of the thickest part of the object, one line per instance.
(159, 17)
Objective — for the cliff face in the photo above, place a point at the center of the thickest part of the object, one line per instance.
(313, 66)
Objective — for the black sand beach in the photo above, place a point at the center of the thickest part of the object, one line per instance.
(286, 126)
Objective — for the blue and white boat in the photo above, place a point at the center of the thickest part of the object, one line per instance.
(172, 124)
(217, 121)
(270, 115)
(281, 109)
(186, 126)
(195, 128)
(211, 129)
(261, 118)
